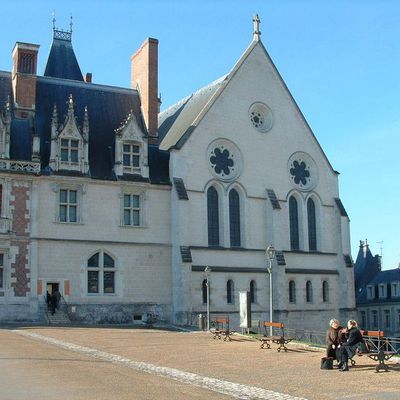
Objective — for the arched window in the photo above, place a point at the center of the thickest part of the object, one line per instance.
(325, 291)
(294, 224)
(253, 290)
(204, 291)
(101, 273)
(312, 225)
(309, 294)
(229, 292)
(213, 216)
(234, 218)
(292, 292)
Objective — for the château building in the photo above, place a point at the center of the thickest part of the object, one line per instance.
(121, 207)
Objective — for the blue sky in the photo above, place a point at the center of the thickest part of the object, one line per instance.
(340, 60)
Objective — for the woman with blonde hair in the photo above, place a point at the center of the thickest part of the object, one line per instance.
(348, 349)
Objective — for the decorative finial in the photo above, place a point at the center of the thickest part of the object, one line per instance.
(70, 103)
(256, 27)
(70, 24)
(54, 20)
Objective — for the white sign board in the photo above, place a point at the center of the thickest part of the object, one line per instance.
(245, 310)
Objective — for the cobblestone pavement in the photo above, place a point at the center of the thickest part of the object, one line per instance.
(199, 367)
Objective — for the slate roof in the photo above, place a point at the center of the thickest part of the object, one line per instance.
(385, 277)
(108, 107)
(177, 121)
(62, 62)
(366, 266)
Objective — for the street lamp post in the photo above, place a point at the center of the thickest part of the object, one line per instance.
(270, 252)
(207, 272)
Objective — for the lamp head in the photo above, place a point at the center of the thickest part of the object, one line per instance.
(270, 252)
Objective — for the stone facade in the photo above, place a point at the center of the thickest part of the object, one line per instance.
(123, 222)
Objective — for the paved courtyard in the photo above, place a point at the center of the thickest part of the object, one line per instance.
(122, 363)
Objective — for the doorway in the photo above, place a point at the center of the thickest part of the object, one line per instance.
(52, 287)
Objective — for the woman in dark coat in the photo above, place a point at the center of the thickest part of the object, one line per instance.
(333, 338)
(348, 349)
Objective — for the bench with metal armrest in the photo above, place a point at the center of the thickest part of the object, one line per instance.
(377, 348)
(281, 340)
(220, 328)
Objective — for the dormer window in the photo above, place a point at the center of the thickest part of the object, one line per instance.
(131, 158)
(382, 291)
(131, 149)
(370, 292)
(70, 143)
(395, 289)
(69, 150)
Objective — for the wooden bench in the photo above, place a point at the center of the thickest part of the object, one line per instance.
(280, 340)
(220, 328)
(377, 348)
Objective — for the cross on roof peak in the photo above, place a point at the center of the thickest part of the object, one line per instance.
(256, 27)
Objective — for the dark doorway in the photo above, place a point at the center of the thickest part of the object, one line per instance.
(52, 287)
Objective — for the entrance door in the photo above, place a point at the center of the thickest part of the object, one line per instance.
(52, 287)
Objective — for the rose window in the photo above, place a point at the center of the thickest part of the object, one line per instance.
(224, 159)
(260, 116)
(302, 171)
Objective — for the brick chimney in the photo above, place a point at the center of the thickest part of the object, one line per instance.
(144, 77)
(24, 78)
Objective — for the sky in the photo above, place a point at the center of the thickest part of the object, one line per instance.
(340, 60)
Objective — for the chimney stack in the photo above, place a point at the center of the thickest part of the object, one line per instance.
(144, 77)
(24, 78)
(88, 77)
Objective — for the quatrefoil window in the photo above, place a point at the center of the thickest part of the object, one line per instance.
(302, 171)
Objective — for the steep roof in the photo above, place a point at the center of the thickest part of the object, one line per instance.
(184, 124)
(107, 107)
(366, 266)
(62, 62)
(178, 120)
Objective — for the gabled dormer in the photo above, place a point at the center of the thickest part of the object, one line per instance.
(5, 124)
(69, 143)
(131, 155)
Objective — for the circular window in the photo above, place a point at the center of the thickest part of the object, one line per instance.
(224, 159)
(302, 171)
(261, 117)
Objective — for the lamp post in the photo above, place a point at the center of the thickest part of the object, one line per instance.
(270, 252)
(207, 272)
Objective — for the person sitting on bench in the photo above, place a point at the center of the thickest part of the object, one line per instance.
(333, 338)
(348, 349)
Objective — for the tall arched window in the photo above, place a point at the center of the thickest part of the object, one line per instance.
(292, 292)
(101, 273)
(309, 294)
(253, 290)
(213, 216)
(229, 292)
(294, 224)
(204, 291)
(234, 218)
(312, 225)
(325, 291)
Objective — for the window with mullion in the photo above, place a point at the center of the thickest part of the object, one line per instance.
(101, 274)
(131, 157)
(131, 210)
(69, 150)
(68, 208)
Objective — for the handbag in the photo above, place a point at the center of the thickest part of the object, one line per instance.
(327, 363)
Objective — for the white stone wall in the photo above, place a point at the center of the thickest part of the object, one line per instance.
(265, 166)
